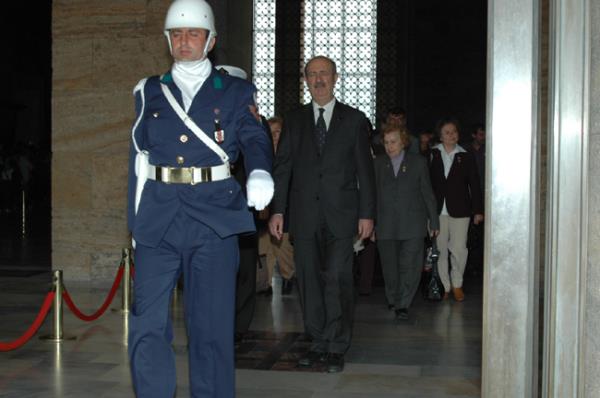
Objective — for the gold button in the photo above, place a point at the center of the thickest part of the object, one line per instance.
(180, 160)
(155, 114)
(183, 138)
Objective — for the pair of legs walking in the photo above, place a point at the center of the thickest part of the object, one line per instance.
(453, 239)
(325, 282)
(402, 263)
(209, 266)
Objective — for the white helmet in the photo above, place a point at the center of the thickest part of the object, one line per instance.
(232, 71)
(190, 14)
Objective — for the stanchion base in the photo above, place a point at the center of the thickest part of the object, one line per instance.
(53, 339)
(121, 310)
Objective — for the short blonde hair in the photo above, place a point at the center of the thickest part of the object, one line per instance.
(401, 132)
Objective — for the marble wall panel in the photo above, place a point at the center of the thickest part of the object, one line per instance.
(591, 328)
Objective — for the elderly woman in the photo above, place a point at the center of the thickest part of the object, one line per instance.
(455, 181)
(406, 207)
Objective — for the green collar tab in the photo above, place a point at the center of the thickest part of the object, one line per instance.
(217, 83)
(166, 78)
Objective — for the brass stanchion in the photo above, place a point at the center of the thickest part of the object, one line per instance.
(23, 211)
(57, 320)
(126, 287)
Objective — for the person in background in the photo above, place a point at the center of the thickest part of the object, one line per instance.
(280, 251)
(476, 232)
(477, 149)
(245, 287)
(406, 211)
(395, 116)
(425, 143)
(455, 183)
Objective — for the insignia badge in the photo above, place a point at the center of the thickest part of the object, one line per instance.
(219, 133)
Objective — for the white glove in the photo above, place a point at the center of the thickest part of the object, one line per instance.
(260, 189)
(142, 162)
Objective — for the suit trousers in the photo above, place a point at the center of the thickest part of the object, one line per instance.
(282, 253)
(209, 265)
(245, 292)
(452, 241)
(325, 282)
(366, 260)
(401, 263)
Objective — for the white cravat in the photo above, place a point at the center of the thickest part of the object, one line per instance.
(189, 77)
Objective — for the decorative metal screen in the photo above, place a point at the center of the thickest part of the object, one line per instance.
(345, 31)
(263, 65)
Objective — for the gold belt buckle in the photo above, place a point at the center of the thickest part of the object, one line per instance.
(181, 175)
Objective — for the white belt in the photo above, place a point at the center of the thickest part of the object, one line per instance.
(188, 175)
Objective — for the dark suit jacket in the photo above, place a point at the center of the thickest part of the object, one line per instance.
(405, 202)
(338, 185)
(461, 189)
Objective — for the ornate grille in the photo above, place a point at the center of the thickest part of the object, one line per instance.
(345, 31)
(263, 67)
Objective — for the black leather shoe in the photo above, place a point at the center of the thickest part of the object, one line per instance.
(335, 363)
(402, 313)
(286, 286)
(311, 358)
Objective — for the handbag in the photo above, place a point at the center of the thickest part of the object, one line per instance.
(433, 289)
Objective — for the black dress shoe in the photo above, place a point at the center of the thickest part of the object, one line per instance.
(286, 286)
(335, 363)
(311, 358)
(402, 313)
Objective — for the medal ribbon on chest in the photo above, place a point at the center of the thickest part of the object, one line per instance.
(219, 132)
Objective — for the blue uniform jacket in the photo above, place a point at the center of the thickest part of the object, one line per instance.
(221, 205)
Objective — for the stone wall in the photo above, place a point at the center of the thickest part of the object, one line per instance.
(100, 50)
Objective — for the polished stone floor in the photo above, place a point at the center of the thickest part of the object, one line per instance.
(436, 353)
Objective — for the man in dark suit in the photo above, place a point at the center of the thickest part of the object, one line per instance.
(324, 153)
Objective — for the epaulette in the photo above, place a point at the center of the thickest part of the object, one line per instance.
(140, 85)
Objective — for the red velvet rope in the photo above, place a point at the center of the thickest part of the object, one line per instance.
(34, 326)
(101, 310)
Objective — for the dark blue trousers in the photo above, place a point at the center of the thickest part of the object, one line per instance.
(209, 265)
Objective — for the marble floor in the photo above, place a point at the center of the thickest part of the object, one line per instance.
(436, 353)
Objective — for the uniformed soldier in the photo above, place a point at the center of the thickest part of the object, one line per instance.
(185, 209)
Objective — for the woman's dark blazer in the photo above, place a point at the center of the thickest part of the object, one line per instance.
(404, 202)
(460, 189)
